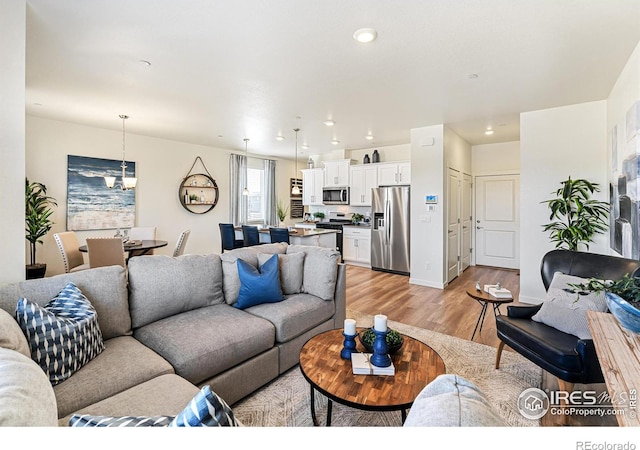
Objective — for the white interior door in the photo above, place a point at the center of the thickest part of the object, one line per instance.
(467, 222)
(498, 221)
(453, 225)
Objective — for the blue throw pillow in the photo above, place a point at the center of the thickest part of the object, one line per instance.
(64, 335)
(206, 409)
(259, 286)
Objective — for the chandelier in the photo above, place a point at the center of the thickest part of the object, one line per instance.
(127, 182)
(296, 190)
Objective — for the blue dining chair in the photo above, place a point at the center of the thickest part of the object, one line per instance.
(279, 235)
(250, 235)
(228, 235)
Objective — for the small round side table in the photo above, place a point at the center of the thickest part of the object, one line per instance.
(484, 298)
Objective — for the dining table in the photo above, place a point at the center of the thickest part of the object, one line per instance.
(141, 247)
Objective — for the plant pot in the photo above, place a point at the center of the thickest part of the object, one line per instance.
(34, 271)
(391, 349)
(627, 315)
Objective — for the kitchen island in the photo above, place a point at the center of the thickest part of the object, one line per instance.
(301, 236)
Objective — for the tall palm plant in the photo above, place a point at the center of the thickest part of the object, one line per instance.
(37, 215)
(576, 217)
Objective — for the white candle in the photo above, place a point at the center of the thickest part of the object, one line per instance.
(380, 323)
(349, 327)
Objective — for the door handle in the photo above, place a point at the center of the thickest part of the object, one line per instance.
(479, 228)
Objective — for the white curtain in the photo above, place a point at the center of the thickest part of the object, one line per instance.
(239, 204)
(270, 201)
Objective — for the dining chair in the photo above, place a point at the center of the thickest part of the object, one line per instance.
(279, 235)
(250, 235)
(108, 251)
(181, 243)
(142, 234)
(228, 237)
(69, 248)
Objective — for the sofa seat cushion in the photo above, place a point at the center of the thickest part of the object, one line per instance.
(295, 315)
(202, 343)
(452, 401)
(26, 395)
(549, 344)
(123, 363)
(165, 395)
(161, 286)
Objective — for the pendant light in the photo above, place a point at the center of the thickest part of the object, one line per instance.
(296, 190)
(127, 182)
(245, 191)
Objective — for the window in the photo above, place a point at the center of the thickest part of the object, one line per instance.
(256, 201)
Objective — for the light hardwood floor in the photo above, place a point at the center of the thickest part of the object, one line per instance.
(450, 311)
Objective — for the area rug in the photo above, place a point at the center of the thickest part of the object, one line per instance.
(285, 401)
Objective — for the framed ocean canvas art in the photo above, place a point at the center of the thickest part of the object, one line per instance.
(91, 205)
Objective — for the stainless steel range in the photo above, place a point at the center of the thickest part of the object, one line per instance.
(336, 221)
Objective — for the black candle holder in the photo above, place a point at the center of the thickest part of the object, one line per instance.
(349, 345)
(380, 357)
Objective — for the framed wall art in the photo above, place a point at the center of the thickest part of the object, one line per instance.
(91, 205)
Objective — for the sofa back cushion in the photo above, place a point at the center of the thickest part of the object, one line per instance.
(291, 269)
(104, 287)
(320, 270)
(11, 335)
(162, 286)
(231, 279)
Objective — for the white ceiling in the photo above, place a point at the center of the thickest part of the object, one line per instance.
(225, 70)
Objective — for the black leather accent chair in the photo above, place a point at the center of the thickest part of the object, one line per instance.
(567, 357)
(228, 235)
(251, 235)
(279, 234)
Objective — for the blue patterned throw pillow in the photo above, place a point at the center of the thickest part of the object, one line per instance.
(206, 409)
(63, 335)
(259, 286)
(87, 420)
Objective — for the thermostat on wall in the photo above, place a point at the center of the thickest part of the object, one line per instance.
(431, 199)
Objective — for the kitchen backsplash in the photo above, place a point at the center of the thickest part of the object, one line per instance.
(326, 209)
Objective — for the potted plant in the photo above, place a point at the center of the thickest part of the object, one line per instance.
(623, 298)
(38, 210)
(318, 215)
(575, 216)
(356, 218)
(281, 211)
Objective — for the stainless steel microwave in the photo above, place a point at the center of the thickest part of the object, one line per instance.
(335, 195)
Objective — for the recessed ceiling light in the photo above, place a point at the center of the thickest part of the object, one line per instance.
(329, 123)
(335, 142)
(365, 35)
(369, 137)
(279, 138)
(305, 146)
(488, 132)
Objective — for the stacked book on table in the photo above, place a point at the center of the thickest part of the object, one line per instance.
(362, 366)
(496, 291)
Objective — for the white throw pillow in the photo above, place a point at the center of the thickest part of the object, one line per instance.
(565, 308)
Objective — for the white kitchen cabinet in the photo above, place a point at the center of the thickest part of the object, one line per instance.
(364, 177)
(336, 173)
(356, 245)
(312, 182)
(393, 174)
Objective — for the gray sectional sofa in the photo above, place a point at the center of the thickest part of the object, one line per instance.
(169, 327)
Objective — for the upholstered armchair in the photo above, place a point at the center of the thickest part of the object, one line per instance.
(565, 356)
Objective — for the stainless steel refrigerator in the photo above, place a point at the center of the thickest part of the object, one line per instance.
(390, 233)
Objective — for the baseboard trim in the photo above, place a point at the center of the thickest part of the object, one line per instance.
(427, 283)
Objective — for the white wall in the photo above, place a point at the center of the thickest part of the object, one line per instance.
(494, 159)
(12, 132)
(427, 229)
(160, 167)
(555, 144)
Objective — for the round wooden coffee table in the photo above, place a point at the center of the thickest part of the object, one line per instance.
(416, 364)
(484, 298)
